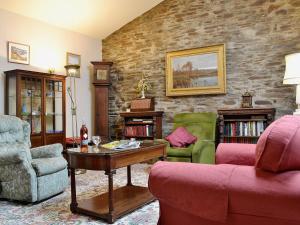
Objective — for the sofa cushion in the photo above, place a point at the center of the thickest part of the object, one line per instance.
(180, 137)
(44, 166)
(264, 194)
(278, 147)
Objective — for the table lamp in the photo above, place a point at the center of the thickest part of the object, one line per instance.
(292, 75)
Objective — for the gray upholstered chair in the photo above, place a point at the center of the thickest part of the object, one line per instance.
(28, 174)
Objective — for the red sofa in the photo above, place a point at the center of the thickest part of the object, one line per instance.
(250, 185)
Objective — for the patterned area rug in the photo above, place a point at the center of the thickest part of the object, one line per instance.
(56, 211)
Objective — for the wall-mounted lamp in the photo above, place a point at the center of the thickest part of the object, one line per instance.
(72, 71)
(292, 75)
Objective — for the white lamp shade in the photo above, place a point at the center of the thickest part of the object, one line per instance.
(292, 69)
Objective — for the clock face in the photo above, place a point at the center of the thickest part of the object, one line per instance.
(102, 74)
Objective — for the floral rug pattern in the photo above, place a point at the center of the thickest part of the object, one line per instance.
(56, 211)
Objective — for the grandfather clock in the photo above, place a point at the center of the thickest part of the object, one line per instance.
(101, 81)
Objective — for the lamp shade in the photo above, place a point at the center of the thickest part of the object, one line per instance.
(292, 69)
(72, 70)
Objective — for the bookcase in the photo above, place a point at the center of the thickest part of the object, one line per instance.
(142, 125)
(243, 125)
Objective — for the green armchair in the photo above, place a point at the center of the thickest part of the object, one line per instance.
(26, 174)
(201, 125)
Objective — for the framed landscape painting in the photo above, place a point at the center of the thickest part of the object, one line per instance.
(196, 71)
(18, 53)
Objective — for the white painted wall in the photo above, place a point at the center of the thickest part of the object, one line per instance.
(48, 47)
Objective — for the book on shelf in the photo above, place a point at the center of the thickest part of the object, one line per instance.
(141, 120)
(139, 131)
(244, 129)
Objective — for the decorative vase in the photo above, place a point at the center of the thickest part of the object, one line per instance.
(143, 94)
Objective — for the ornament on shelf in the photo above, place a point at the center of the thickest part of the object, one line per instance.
(143, 86)
(247, 100)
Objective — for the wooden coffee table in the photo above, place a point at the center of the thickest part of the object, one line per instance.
(115, 203)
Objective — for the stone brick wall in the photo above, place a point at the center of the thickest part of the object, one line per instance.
(257, 33)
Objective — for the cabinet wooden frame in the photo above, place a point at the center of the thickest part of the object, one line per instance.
(42, 138)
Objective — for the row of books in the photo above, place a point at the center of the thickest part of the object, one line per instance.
(250, 128)
(240, 140)
(139, 131)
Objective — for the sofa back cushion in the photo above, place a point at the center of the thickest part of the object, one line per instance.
(278, 147)
(201, 125)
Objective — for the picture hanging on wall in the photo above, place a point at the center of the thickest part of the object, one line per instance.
(18, 53)
(74, 59)
(196, 71)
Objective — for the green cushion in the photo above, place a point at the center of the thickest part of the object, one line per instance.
(201, 125)
(180, 152)
(178, 159)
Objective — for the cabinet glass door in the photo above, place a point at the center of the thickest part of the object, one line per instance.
(31, 103)
(54, 107)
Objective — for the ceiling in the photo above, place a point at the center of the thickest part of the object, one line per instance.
(94, 18)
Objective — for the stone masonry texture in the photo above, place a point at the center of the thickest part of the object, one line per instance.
(257, 34)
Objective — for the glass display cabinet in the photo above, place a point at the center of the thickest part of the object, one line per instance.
(38, 98)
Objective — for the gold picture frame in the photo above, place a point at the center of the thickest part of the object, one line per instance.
(74, 59)
(197, 71)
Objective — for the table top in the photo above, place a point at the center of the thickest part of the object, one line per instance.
(92, 150)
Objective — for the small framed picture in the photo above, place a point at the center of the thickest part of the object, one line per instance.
(18, 53)
(74, 59)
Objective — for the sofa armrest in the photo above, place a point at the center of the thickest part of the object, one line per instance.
(234, 153)
(47, 151)
(192, 187)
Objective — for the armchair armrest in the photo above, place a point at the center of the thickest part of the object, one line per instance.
(179, 184)
(234, 153)
(47, 151)
(204, 152)
(163, 141)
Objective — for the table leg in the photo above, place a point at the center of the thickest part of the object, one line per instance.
(110, 173)
(74, 204)
(129, 175)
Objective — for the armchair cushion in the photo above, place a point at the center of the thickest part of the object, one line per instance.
(180, 152)
(237, 154)
(278, 147)
(180, 137)
(13, 129)
(47, 151)
(44, 166)
(14, 153)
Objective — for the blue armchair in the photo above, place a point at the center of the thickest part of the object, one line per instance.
(28, 174)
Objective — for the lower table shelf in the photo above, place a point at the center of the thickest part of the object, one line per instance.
(126, 199)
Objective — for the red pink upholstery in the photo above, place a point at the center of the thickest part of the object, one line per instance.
(278, 148)
(235, 192)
